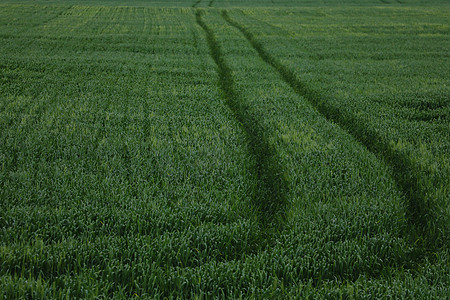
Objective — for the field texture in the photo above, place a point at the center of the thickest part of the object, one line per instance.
(224, 149)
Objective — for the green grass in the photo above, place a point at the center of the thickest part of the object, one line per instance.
(186, 149)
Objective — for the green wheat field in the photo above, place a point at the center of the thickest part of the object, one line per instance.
(223, 149)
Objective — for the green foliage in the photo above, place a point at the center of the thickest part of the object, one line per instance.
(195, 152)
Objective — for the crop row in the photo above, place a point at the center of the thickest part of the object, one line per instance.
(171, 153)
(412, 140)
(337, 212)
(116, 154)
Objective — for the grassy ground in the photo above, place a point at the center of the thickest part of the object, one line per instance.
(199, 149)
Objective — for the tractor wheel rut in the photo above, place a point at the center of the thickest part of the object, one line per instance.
(269, 195)
(404, 172)
(196, 3)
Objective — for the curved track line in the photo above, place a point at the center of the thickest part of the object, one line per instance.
(403, 170)
(196, 3)
(269, 194)
(52, 18)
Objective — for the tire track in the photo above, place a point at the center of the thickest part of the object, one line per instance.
(211, 3)
(423, 232)
(52, 18)
(269, 195)
(196, 3)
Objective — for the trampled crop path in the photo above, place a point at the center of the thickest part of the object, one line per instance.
(269, 193)
(251, 149)
(403, 170)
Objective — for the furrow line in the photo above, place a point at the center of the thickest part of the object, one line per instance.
(403, 169)
(269, 194)
(53, 18)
